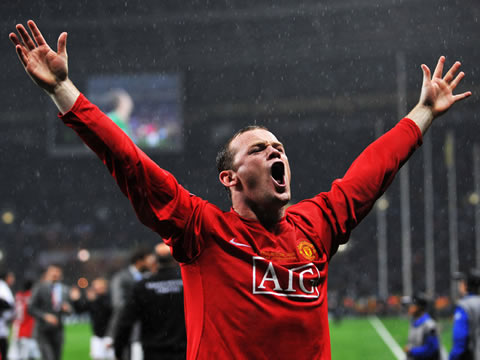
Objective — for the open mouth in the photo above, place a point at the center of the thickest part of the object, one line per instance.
(278, 172)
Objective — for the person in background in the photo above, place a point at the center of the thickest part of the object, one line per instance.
(23, 346)
(423, 343)
(7, 309)
(48, 305)
(466, 319)
(98, 304)
(157, 303)
(122, 109)
(121, 287)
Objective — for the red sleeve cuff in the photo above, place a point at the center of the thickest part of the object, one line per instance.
(80, 99)
(414, 127)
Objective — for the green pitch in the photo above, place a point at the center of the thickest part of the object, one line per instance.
(351, 339)
(355, 338)
(77, 342)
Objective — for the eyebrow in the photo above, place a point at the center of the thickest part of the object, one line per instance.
(266, 143)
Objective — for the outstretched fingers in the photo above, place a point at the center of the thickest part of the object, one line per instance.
(462, 96)
(37, 35)
(457, 80)
(451, 73)
(14, 39)
(62, 44)
(21, 52)
(426, 74)
(19, 48)
(439, 68)
(27, 40)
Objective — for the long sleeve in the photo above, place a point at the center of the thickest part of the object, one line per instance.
(127, 317)
(427, 350)
(159, 201)
(460, 334)
(120, 288)
(35, 307)
(352, 197)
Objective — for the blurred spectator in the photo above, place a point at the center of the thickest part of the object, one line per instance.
(423, 340)
(121, 287)
(122, 109)
(99, 306)
(335, 308)
(7, 304)
(48, 304)
(157, 302)
(466, 327)
(23, 345)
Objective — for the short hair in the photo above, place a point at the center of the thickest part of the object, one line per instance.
(473, 281)
(421, 300)
(54, 265)
(224, 159)
(140, 254)
(225, 156)
(27, 284)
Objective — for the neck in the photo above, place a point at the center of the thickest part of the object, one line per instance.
(268, 217)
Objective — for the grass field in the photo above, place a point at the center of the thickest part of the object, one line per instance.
(351, 339)
(356, 338)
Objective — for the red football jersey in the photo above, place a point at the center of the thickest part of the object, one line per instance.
(249, 293)
(24, 322)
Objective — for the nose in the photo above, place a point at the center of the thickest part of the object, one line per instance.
(273, 153)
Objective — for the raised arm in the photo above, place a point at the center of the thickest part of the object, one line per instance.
(159, 201)
(47, 68)
(373, 171)
(352, 197)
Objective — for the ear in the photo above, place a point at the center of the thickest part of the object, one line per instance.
(228, 178)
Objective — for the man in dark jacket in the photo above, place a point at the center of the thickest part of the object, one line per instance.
(157, 302)
(48, 304)
(121, 287)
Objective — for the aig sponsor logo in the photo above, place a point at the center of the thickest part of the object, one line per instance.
(299, 282)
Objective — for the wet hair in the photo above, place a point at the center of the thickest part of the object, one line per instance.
(225, 156)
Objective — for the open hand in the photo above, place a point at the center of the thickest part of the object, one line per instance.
(46, 67)
(437, 92)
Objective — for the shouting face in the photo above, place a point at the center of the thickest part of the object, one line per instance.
(260, 175)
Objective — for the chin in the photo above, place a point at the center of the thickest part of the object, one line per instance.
(282, 199)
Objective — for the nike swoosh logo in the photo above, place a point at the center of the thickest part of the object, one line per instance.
(234, 242)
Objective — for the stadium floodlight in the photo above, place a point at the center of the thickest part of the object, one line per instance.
(8, 217)
(473, 198)
(83, 255)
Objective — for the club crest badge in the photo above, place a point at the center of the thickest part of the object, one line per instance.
(307, 250)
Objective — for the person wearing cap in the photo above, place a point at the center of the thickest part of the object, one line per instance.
(422, 336)
(466, 327)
